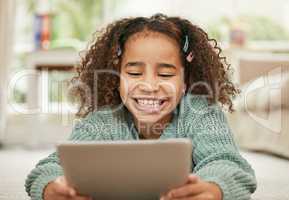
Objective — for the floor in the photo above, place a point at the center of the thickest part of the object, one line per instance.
(272, 174)
(15, 164)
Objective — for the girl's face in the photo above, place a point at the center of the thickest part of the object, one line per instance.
(152, 77)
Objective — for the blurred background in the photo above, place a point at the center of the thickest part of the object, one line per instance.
(40, 44)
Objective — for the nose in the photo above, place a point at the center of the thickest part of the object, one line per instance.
(149, 84)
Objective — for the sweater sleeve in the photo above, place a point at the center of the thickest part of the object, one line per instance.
(217, 158)
(48, 169)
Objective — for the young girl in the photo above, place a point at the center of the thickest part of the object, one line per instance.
(156, 78)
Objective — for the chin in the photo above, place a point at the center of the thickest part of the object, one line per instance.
(147, 119)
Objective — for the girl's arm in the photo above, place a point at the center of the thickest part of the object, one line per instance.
(49, 169)
(217, 158)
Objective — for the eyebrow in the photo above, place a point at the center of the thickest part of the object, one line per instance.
(134, 64)
(166, 65)
(138, 63)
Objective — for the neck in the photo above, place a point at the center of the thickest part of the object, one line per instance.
(152, 130)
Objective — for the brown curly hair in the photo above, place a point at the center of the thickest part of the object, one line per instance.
(208, 67)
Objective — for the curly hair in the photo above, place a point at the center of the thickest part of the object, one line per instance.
(208, 73)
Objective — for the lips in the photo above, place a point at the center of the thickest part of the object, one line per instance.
(150, 105)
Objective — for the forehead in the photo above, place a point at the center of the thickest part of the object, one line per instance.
(151, 45)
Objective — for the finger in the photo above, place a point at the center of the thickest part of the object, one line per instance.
(186, 190)
(61, 187)
(193, 178)
(64, 190)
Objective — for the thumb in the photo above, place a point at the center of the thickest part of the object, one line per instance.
(63, 188)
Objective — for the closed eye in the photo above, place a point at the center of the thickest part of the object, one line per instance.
(166, 75)
(134, 73)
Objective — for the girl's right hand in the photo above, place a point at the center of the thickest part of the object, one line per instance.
(60, 190)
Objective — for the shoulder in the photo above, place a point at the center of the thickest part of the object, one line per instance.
(197, 105)
(103, 114)
(106, 117)
(99, 124)
(196, 109)
(97, 119)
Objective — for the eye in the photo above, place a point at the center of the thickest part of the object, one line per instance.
(166, 75)
(134, 73)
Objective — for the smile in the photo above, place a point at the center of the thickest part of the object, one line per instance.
(150, 105)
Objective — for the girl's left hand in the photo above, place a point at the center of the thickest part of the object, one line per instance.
(195, 189)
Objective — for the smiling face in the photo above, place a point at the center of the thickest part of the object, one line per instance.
(152, 77)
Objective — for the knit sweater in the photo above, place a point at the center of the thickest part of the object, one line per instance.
(215, 156)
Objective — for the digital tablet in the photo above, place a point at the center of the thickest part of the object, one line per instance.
(134, 169)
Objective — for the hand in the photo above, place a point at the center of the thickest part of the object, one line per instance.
(60, 190)
(195, 189)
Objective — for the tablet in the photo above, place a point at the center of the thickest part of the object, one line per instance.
(134, 169)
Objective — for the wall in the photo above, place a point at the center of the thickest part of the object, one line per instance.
(7, 13)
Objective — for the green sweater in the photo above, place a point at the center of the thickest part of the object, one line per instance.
(216, 157)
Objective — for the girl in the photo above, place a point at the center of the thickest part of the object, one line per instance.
(156, 78)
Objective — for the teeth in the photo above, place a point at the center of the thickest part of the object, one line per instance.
(154, 103)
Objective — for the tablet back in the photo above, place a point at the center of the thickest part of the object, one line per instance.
(138, 169)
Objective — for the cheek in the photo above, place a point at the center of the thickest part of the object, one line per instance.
(126, 85)
(123, 87)
(174, 86)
